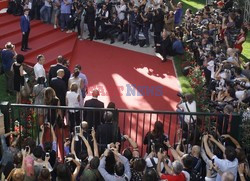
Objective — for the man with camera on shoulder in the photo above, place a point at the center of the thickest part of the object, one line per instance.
(186, 105)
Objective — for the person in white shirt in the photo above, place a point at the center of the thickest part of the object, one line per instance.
(38, 68)
(120, 9)
(228, 164)
(73, 100)
(189, 105)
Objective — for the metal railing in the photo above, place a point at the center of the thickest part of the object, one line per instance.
(134, 123)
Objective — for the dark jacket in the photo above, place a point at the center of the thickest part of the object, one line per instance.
(93, 118)
(60, 88)
(90, 14)
(107, 133)
(53, 72)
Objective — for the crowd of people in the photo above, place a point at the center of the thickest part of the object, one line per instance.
(97, 155)
(213, 36)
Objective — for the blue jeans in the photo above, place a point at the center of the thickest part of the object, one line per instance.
(145, 30)
(64, 20)
(45, 13)
(134, 34)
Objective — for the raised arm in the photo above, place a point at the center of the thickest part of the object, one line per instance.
(89, 150)
(42, 133)
(173, 151)
(77, 169)
(207, 149)
(96, 152)
(232, 139)
(134, 145)
(222, 148)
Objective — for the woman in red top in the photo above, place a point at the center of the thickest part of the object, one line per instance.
(241, 39)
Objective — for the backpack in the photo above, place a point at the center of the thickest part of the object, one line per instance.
(195, 173)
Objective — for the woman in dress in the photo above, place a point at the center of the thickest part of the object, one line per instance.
(51, 99)
(76, 79)
(73, 100)
(241, 39)
(17, 68)
(38, 96)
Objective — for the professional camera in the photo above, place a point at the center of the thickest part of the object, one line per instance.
(181, 95)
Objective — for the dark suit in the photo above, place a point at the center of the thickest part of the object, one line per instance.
(25, 28)
(93, 118)
(60, 88)
(90, 20)
(107, 133)
(53, 73)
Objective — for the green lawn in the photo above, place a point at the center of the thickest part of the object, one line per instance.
(3, 94)
(246, 49)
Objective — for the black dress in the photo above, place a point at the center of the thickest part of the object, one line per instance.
(18, 79)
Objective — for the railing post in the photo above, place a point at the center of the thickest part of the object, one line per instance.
(5, 107)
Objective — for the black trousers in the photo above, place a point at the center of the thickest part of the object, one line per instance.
(74, 118)
(91, 28)
(25, 39)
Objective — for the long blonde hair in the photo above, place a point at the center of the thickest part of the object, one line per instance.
(49, 94)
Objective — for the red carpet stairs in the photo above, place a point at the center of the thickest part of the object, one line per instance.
(60, 43)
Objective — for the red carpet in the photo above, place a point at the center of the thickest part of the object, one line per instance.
(130, 79)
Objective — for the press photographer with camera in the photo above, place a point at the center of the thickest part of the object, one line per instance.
(187, 104)
(8, 57)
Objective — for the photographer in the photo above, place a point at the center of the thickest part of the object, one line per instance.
(134, 25)
(146, 18)
(187, 104)
(101, 19)
(8, 55)
(112, 27)
(120, 9)
(158, 23)
(164, 47)
(90, 19)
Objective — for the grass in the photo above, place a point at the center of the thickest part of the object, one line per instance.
(3, 94)
(246, 49)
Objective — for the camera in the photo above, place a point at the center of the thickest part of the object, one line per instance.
(27, 148)
(77, 130)
(180, 95)
(47, 154)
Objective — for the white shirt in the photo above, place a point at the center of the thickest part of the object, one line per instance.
(72, 98)
(211, 68)
(192, 108)
(120, 11)
(226, 166)
(39, 71)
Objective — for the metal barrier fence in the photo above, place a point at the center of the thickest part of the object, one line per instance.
(135, 123)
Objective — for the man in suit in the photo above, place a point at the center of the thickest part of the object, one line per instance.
(59, 86)
(93, 117)
(25, 27)
(54, 68)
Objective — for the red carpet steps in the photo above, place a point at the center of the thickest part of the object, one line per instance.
(43, 39)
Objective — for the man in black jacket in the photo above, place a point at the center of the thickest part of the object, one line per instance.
(54, 68)
(90, 19)
(108, 132)
(93, 117)
(58, 84)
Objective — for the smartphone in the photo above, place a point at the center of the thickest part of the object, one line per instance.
(27, 149)
(161, 151)
(47, 154)
(77, 130)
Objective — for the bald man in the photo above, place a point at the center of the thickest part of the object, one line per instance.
(59, 85)
(227, 176)
(94, 119)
